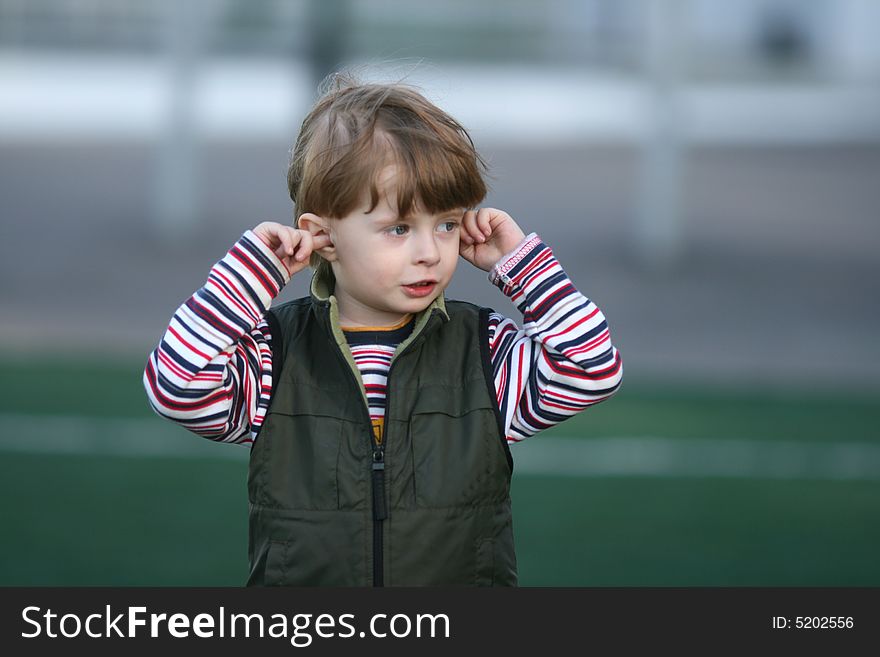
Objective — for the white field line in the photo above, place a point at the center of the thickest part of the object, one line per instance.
(698, 457)
(540, 455)
(134, 437)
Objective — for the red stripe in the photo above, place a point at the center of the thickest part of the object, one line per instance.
(372, 358)
(550, 391)
(218, 323)
(500, 332)
(583, 374)
(372, 353)
(220, 428)
(188, 345)
(502, 384)
(609, 371)
(570, 327)
(517, 257)
(166, 402)
(243, 296)
(208, 376)
(546, 402)
(528, 275)
(553, 298)
(248, 311)
(494, 334)
(174, 367)
(557, 367)
(531, 415)
(604, 336)
(259, 275)
(248, 394)
(581, 405)
(538, 261)
(519, 374)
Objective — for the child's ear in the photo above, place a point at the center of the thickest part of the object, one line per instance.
(318, 226)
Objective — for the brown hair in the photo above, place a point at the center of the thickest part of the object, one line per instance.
(355, 130)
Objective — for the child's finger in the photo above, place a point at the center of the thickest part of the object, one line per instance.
(321, 240)
(464, 236)
(471, 232)
(273, 235)
(483, 224)
(312, 243)
(268, 233)
(287, 241)
(306, 245)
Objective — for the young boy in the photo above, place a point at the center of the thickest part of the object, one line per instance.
(379, 413)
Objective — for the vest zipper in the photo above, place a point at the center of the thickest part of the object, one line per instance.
(380, 513)
(377, 468)
(380, 508)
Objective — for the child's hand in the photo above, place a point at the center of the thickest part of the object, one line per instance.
(292, 246)
(486, 235)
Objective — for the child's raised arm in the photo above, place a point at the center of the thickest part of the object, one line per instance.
(562, 360)
(212, 370)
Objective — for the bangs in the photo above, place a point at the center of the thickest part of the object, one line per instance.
(363, 132)
(431, 173)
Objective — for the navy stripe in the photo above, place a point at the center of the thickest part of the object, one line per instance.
(528, 258)
(208, 317)
(206, 419)
(214, 277)
(213, 302)
(265, 277)
(574, 314)
(266, 263)
(584, 338)
(606, 356)
(167, 386)
(167, 350)
(242, 283)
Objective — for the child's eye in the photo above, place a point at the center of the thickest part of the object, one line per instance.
(394, 231)
(450, 226)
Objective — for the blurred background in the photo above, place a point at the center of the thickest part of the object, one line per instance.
(708, 172)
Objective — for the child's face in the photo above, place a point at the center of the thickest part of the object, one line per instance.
(380, 256)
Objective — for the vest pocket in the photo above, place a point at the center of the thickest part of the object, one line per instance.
(458, 457)
(485, 566)
(276, 563)
(294, 462)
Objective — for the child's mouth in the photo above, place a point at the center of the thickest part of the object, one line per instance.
(420, 289)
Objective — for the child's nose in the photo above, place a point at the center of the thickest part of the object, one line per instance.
(426, 250)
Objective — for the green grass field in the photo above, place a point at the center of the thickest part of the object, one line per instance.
(103, 519)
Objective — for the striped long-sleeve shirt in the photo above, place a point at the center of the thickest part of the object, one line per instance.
(212, 370)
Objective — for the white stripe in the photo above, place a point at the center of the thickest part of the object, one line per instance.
(539, 455)
(697, 457)
(148, 437)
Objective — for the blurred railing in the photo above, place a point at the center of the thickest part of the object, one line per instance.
(458, 29)
(748, 37)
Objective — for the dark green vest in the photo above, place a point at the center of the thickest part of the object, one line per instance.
(430, 507)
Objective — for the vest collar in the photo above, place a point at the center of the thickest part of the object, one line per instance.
(321, 290)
